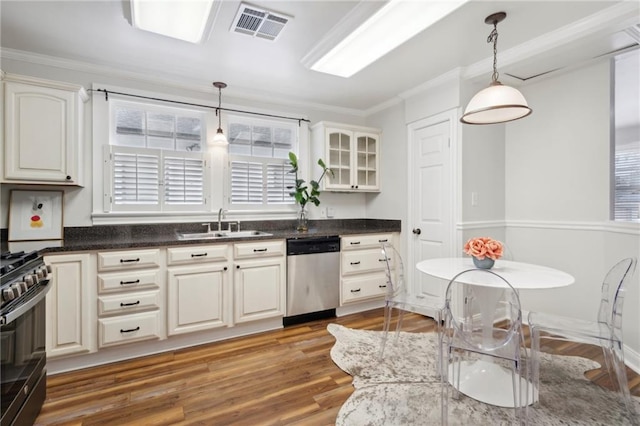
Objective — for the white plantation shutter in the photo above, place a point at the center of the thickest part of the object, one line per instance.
(135, 178)
(279, 184)
(246, 182)
(627, 183)
(157, 180)
(183, 180)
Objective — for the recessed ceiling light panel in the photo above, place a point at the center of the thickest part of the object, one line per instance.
(184, 20)
(393, 24)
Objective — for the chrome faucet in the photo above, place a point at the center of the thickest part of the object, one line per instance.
(220, 216)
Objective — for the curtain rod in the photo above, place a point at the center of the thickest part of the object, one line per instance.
(106, 98)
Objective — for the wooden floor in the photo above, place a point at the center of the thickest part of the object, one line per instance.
(274, 378)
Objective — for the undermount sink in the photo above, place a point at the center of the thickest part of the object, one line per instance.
(220, 234)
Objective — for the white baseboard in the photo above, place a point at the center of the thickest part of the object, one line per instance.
(631, 357)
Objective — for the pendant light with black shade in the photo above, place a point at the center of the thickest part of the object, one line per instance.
(497, 103)
(219, 139)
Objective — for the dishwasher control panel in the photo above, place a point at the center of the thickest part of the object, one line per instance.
(313, 245)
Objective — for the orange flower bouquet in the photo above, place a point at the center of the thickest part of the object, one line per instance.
(481, 247)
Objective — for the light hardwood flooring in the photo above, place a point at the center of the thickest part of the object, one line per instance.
(283, 377)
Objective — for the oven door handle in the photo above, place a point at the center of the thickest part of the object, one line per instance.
(24, 307)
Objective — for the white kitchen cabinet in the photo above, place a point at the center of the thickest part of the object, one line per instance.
(362, 267)
(199, 293)
(42, 131)
(70, 304)
(130, 296)
(259, 280)
(351, 152)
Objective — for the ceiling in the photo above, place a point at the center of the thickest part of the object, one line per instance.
(536, 37)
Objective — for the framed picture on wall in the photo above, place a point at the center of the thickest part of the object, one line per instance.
(35, 215)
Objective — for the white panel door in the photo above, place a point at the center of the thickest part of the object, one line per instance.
(431, 198)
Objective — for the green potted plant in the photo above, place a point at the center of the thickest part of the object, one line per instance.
(302, 193)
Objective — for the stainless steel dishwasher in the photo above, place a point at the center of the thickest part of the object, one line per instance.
(313, 278)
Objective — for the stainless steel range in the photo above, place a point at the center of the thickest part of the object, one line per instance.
(24, 285)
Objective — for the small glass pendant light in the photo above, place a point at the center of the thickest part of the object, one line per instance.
(497, 103)
(219, 139)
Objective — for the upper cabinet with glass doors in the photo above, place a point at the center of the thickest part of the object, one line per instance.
(351, 152)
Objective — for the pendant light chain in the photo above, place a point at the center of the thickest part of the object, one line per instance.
(493, 38)
(219, 105)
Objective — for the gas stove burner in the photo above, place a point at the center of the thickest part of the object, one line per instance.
(12, 260)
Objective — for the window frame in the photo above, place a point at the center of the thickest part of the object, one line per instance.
(264, 207)
(623, 169)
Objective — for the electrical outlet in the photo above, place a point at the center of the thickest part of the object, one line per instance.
(323, 213)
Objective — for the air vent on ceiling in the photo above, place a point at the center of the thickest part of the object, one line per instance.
(257, 22)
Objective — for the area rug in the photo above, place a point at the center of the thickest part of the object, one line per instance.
(403, 389)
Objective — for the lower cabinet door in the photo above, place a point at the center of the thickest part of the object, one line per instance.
(70, 319)
(128, 328)
(197, 298)
(259, 289)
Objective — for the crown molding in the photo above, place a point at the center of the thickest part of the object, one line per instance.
(167, 80)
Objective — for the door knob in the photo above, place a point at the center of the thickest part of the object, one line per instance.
(417, 231)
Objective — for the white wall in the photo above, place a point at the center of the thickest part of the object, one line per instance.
(78, 201)
(557, 196)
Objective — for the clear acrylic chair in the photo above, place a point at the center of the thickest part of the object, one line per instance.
(606, 331)
(401, 299)
(483, 322)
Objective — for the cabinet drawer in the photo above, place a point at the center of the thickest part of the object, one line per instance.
(362, 261)
(128, 328)
(128, 302)
(364, 287)
(258, 249)
(120, 260)
(197, 254)
(355, 242)
(130, 280)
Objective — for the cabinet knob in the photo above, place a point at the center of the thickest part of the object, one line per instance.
(417, 231)
(68, 177)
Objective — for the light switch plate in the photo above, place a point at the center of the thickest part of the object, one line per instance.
(331, 212)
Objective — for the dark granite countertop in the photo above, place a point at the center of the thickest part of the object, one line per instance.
(106, 237)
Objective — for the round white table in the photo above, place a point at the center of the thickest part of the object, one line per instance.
(483, 380)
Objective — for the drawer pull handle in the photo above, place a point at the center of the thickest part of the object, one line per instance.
(357, 290)
(131, 330)
(129, 282)
(383, 259)
(130, 260)
(354, 243)
(383, 241)
(355, 263)
(259, 250)
(130, 304)
(382, 286)
(199, 255)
